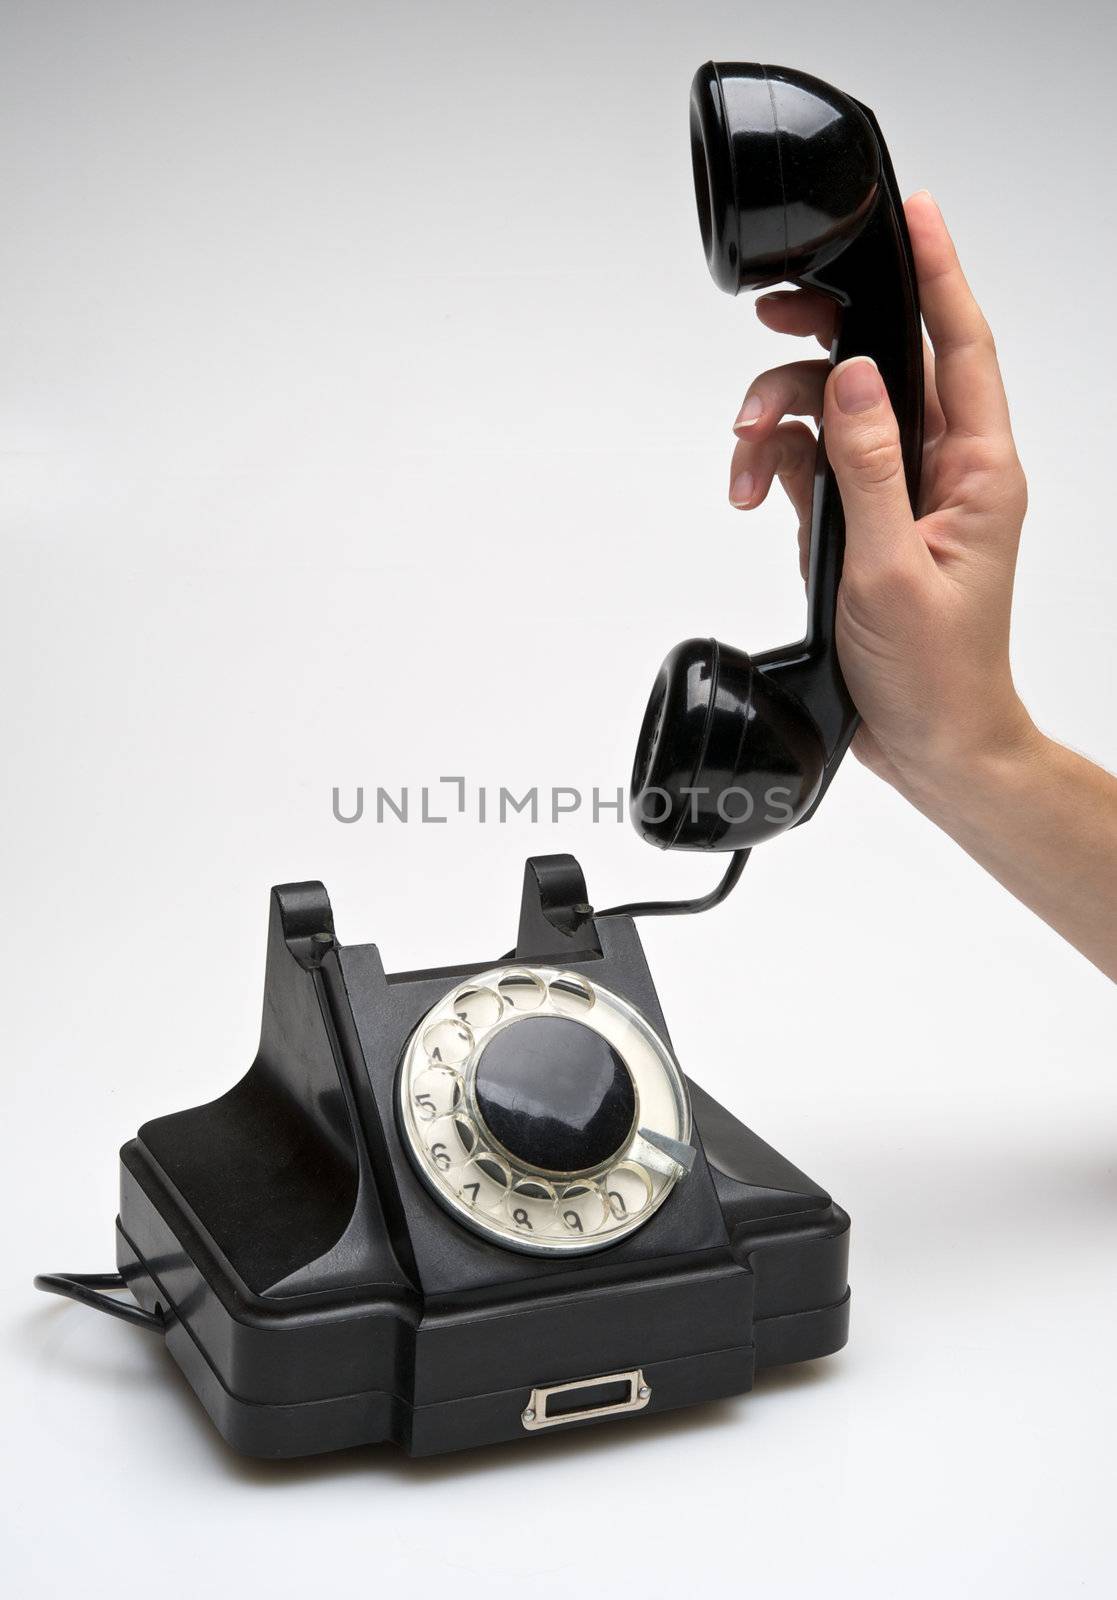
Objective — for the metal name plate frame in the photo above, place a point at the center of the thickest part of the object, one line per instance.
(535, 1415)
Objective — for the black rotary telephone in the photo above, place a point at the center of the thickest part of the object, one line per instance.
(453, 1207)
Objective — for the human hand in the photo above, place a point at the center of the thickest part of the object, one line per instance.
(924, 605)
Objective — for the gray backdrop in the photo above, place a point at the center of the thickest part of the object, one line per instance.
(366, 420)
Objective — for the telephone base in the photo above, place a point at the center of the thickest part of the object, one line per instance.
(317, 1296)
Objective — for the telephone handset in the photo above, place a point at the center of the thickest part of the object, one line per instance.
(793, 183)
(451, 1207)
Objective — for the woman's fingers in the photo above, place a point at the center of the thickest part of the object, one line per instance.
(967, 377)
(794, 390)
(801, 312)
(883, 547)
(934, 423)
(789, 454)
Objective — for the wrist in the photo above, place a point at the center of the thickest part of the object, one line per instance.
(969, 783)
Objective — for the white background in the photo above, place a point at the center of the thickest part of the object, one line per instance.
(366, 419)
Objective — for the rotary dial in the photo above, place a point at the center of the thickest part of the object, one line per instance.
(543, 1110)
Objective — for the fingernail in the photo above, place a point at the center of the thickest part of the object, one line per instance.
(776, 294)
(857, 385)
(750, 413)
(741, 492)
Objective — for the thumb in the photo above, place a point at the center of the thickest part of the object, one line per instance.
(863, 447)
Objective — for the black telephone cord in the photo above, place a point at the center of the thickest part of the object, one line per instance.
(671, 908)
(88, 1289)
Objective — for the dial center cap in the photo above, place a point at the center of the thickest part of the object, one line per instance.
(555, 1094)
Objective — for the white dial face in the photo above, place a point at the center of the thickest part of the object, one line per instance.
(543, 1111)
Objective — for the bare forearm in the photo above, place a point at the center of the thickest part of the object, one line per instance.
(1043, 821)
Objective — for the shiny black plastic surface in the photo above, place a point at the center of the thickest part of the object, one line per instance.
(555, 1094)
(793, 182)
(729, 755)
(316, 1295)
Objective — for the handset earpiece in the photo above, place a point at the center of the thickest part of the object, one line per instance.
(793, 184)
